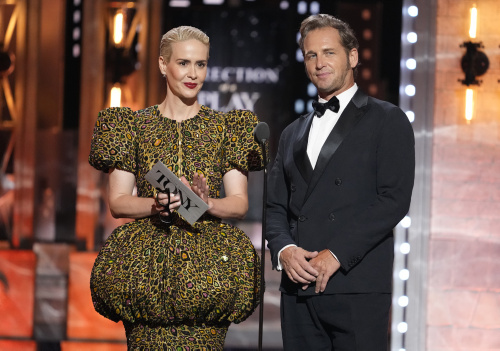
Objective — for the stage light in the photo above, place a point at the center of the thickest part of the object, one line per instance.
(309, 107)
(469, 104)
(411, 116)
(410, 90)
(77, 16)
(76, 33)
(402, 327)
(76, 50)
(411, 63)
(411, 37)
(179, 3)
(404, 274)
(284, 5)
(406, 222)
(121, 58)
(115, 96)
(299, 56)
(413, 11)
(301, 7)
(473, 22)
(403, 301)
(314, 7)
(407, 92)
(404, 248)
(299, 106)
(312, 90)
(118, 28)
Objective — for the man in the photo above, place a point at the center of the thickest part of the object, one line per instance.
(341, 181)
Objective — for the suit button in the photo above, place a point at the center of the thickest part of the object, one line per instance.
(331, 217)
(302, 218)
(293, 188)
(338, 181)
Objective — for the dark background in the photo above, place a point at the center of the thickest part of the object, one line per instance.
(261, 34)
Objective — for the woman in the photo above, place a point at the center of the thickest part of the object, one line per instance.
(177, 286)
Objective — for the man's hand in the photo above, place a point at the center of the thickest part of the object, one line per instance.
(295, 262)
(326, 265)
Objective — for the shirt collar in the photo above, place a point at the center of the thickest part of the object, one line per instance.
(343, 97)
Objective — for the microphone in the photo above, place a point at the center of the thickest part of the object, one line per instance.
(261, 135)
(261, 132)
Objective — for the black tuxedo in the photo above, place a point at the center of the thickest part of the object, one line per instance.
(350, 203)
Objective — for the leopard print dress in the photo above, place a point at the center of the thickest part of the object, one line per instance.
(178, 287)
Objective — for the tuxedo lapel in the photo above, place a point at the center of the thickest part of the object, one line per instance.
(349, 118)
(300, 147)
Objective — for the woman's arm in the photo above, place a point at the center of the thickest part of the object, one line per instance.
(122, 202)
(234, 204)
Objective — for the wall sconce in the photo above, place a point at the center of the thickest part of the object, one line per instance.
(120, 58)
(474, 63)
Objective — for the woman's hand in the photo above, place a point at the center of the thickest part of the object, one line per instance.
(124, 203)
(235, 202)
(162, 203)
(199, 187)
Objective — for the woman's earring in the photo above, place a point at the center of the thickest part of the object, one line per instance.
(164, 76)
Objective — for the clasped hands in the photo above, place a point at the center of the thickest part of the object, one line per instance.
(167, 202)
(305, 267)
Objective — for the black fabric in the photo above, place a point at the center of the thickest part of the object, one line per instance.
(357, 193)
(320, 108)
(337, 322)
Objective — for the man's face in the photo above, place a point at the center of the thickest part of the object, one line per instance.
(328, 65)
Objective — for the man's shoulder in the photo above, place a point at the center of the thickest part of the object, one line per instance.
(361, 99)
(381, 112)
(381, 108)
(382, 103)
(388, 114)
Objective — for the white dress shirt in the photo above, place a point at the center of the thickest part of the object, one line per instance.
(321, 128)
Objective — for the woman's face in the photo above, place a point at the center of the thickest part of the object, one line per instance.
(187, 69)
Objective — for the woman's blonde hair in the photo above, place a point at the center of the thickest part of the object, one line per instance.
(178, 34)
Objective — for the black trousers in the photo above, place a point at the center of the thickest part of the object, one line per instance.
(337, 322)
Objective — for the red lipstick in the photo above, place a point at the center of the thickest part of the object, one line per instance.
(191, 85)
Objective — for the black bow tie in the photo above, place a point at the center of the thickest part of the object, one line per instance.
(320, 108)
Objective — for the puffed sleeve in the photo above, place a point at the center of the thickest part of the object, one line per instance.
(113, 142)
(241, 151)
